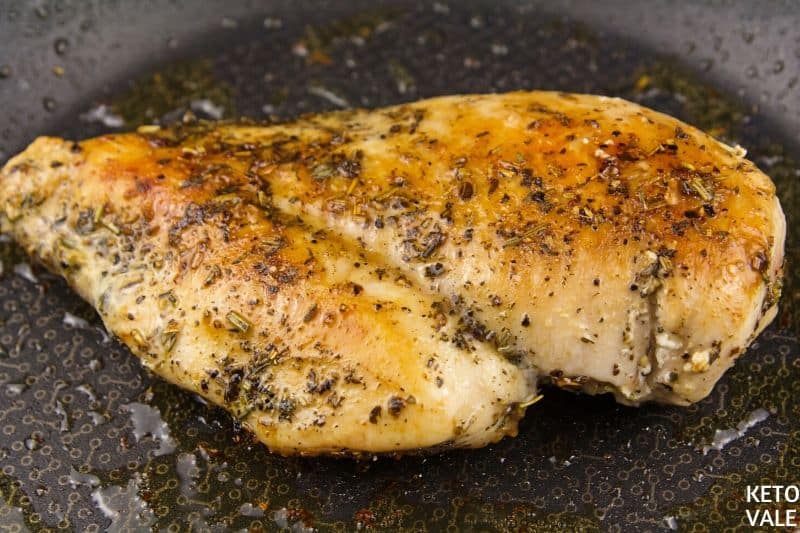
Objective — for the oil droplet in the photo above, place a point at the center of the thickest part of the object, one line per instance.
(499, 49)
(33, 442)
(104, 336)
(188, 471)
(74, 322)
(49, 104)
(76, 478)
(24, 271)
(61, 46)
(147, 421)
(97, 418)
(208, 107)
(63, 417)
(87, 390)
(724, 436)
(123, 505)
(15, 389)
(5, 71)
(104, 115)
(248, 509)
(272, 23)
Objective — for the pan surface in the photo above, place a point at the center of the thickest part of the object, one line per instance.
(89, 440)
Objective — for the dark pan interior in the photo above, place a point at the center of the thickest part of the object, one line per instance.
(70, 398)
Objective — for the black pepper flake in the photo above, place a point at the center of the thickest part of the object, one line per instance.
(335, 400)
(536, 196)
(349, 168)
(526, 321)
(286, 408)
(596, 282)
(375, 414)
(357, 289)
(316, 386)
(311, 313)
(539, 198)
(435, 270)
(679, 228)
(396, 405)
(233, 384)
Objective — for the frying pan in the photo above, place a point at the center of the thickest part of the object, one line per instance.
(89, 440)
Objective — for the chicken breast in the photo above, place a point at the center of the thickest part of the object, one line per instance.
(401, 279)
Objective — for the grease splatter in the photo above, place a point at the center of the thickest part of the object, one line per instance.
(147, 421)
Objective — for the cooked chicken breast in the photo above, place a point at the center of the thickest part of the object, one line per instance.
(401, 279)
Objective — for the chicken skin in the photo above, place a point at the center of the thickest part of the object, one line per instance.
(404, 278)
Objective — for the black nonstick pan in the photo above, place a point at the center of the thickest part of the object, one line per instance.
(89, 441)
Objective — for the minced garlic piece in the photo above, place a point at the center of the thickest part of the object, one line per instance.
(699, 362)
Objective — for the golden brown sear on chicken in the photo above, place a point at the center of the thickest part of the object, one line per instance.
(403, 278)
